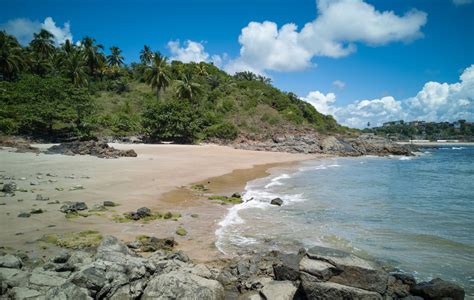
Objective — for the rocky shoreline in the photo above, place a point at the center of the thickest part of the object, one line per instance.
(114, 271)
(342, 146)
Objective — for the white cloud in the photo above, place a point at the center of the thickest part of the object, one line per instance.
(339, 25)
(462, 2)
(192, 51)
(339, 84)
(434, 102)
(23, 29)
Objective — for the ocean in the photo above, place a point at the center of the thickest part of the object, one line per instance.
(414, 214)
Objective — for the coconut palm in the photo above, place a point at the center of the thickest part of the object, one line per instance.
(92, 53)
(11, 58)
(115, 59)
(201, 70)
(43, 44)
(146, 55)
(186, 88)
(157, 74)
(75, 68)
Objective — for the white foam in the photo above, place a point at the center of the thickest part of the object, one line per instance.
(276, 181)
(457, 148)
(405, 158)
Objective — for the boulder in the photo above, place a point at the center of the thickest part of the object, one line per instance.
(69, 207)
(45, 279)
(236, 195)
(68, 291)
(94, 148)
(318, 268)
(9, 187)
(438, 289)
(24, 215)
(40, 197)
(399, 285)
(182, 285)
(143, 212)
(355, 271)
(109, 204)
(334, 291)
(10, 261)
(13, 277)
(91, 278)
(25, 293)
(287, 267)
(277, 201)
(282, 290)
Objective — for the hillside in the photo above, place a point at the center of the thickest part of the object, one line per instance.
(70, 92)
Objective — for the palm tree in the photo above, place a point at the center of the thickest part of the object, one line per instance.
(38, 64)
(11, 58)
(75, 68)
(157, 75)
(43, 44)
(115, 59)
(186, 88)
(146, 55)
(201, 70)
(92, 53)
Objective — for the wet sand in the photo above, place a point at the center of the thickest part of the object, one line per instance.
(159, 178)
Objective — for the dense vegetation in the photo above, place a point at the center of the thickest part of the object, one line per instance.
(79, 91)
(460, 130)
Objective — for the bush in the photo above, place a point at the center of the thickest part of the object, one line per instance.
(174, 121)
(224, 131)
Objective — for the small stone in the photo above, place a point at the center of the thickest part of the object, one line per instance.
(181, 231)
(10, 261)
(72, 207)
(37, 211)
(277, 201)
(40, 197)
(143, 212)
(9, 188)
(76, 187)
(50, 175)
(24, 215)
(236, 195)
(34, 183)
(109, 203)
(60, 189)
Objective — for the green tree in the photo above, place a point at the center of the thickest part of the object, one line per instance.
(158, 75)
(115, 59)
(92, 53)
(11, 57)
(43, 44)
(146, 55)
(186, 88)
(75, 68)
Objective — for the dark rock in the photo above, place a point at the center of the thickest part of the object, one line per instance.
(109, 204)
(331, 291)
(179, 255)
(24, 215)
(277, 201)
(40, 197)
(399, 285)
(9, 187)
(61, 258)
(94, 148)
(37, 211)
(68, 291)
(322, 270)
(10, 261)
(287, 267)
(143, 212)
(438, 289)
(236, 195)
(69, 206)
(91, 278)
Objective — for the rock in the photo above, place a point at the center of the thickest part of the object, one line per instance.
(287, 267)
(277, 201)
(178, 255)
(109, 204)
(182, 285)
(24, 215)
(76, 187)
(94, 148)
(399, 285)
(181, 231)
(42, 279)
(143, 212)
(13, 277)
(40, 197)
(129, 291)
(61, 258)
(10, 261)
(37, 211)
(331, 291)
(320, 269)
(69, 206)
(68, 291)
(252, 295)
(438, 289)
(25, 293)
(355, 271)
(9, 187)
(282, 290)
(236, 195)
(91, 278)
(97, 208)
(152, 244)
(34, 183)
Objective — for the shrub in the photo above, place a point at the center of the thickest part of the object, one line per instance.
(224, 131)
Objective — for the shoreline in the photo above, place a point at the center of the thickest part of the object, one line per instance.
(155, 179)
(430, 144)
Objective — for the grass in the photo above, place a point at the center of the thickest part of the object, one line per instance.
(125, 218)
(199, 187)
(75, 214)
(225, 199)
(74, 240)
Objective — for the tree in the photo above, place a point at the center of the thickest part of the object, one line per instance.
(92, 53)
(201, 70)
(115, 59)
(43, 44)
(75, 69)
(157, 75)
(264, 79)
(247, 75)
(146, 55)
(186, 88)
(11, 57)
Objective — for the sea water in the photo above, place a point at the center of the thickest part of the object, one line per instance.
(414, 214)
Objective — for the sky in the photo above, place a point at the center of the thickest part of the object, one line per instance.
(359, 60)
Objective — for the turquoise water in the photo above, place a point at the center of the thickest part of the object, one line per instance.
(414, 214)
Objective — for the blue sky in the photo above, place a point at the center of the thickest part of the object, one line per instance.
(390, 65)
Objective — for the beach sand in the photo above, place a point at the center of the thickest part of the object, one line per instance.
(159, 178)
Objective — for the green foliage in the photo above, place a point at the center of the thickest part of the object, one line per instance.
(172, 121)
(224, 131)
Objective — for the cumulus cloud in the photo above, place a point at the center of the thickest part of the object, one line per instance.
(434, 102)
(339, 84)
(192, 51)
(23, 29)
(339, 26)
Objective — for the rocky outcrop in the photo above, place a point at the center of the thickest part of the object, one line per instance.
(115, 271)
(312, 143)
(94, 148)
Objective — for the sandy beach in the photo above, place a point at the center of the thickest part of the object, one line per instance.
(159, 178)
